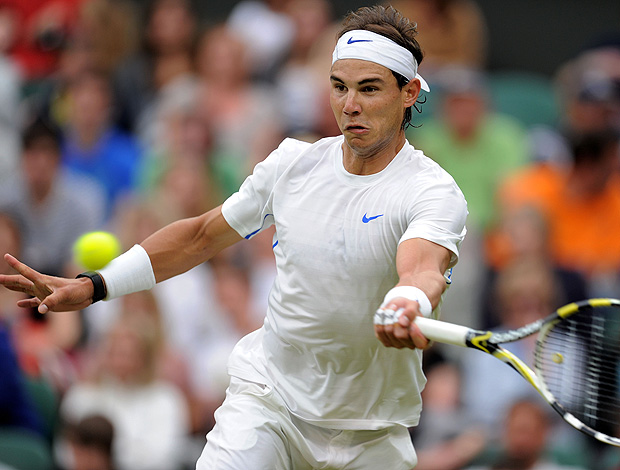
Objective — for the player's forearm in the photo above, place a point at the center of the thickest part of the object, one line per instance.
(187, 243)
(432, 283)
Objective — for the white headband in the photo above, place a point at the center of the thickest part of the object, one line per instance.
(373, 47)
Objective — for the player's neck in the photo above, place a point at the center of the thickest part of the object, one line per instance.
(368, 161)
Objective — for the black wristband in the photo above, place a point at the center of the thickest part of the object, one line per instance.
(100, 290)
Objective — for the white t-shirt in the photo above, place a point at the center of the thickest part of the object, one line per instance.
(335, 248)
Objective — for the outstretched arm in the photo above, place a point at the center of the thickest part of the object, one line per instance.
(172, 250)
(421, 264)
(186, 243)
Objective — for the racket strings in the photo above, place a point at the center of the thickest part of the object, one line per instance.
(578, 360)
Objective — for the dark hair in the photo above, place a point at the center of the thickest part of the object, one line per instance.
(592, 147)
(41, 132)
(94, 431)
(388, 22)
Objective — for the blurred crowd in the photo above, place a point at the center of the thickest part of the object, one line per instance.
(124, 116)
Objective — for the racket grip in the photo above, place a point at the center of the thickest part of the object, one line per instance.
(443, 332)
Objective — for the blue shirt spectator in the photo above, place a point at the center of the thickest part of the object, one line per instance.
(16, 408)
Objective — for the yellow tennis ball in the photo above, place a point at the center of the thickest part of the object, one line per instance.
(557, 357)
(94, 250)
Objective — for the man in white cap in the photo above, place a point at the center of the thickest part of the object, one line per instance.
(363, 220)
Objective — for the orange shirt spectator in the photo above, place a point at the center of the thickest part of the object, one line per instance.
(581, 206)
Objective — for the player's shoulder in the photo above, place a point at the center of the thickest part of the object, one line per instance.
(423, 165)
(294, 146)
(294, 151)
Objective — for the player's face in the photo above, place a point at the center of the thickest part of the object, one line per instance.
(369, 106)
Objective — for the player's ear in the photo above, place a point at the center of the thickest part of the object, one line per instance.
(411, 91)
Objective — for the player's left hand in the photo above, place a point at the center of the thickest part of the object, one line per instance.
(395, 326)
(46, 293)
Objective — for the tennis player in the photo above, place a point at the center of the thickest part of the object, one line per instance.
(363, 220)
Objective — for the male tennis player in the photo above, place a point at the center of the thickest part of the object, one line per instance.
(362, 220)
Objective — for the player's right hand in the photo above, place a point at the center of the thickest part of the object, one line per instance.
(395, 325)
(47, 293)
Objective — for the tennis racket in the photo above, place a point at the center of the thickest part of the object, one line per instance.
(576, 361)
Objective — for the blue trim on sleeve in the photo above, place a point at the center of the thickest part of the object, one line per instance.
(247, 237)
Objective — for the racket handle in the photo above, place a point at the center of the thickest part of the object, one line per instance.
(443, 332)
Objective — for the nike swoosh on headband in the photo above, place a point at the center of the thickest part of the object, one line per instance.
(351, 40)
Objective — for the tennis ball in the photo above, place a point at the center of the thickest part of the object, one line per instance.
(94, 250)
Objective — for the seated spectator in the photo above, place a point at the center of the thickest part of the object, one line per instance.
(525, 440)
(266, 29)
(243, 115)
(526, 237)
(17, 409)
(50, 218)
(479, 148)
(575, 205)
(10, 95)
(44, 27)
(525, 292)
(169, 30)
(92, 146)
(588, 88)
(298, 76)
(447, 438)
(45, 199)
(181, 155)
(150, 416)
(450, 32)
(10, 242)
(89, 444)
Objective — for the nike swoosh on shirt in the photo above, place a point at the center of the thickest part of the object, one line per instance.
(351, 40)
(367, 219)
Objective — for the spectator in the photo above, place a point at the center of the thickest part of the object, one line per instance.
(582, 196)
(527, 238)
(10, 94)
(525, 441)
(184, 144)
(266, 29)
(243, 115)
(525, 292)
(46, 203)
(298, 76)
(103, 37)
(589, 91)
(16, 407)
(11, 240)
(93, 146)
(452, 32)
(165, 55)
(44, 26)
(41, 343)
(108, 29)
(150, 416)
(447, 437)
(479, 148)
(90, 444)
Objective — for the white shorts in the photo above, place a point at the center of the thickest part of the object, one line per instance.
(254, 430)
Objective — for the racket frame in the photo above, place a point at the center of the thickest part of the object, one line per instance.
(490, 343)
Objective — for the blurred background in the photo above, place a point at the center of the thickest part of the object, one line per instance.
(125, 115)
